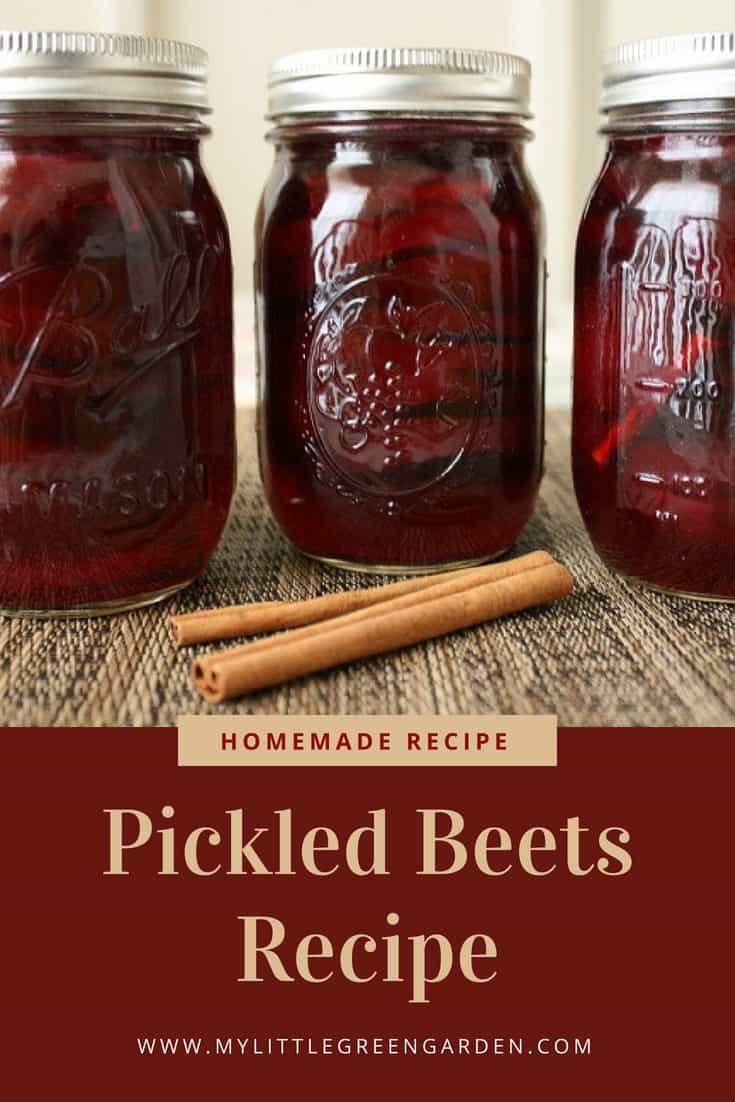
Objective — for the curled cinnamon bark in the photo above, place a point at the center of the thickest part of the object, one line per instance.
(393, 624)
(256, 619)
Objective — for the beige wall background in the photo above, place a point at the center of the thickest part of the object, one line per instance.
(564, 40)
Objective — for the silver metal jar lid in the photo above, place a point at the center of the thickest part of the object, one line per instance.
(90, 68)
(674, 67)
(398, 80)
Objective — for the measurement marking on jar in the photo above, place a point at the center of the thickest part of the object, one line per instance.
(649, 479)
(680, 484)
(707, 389)
(673, 319)
(691, 485)
(655, 385)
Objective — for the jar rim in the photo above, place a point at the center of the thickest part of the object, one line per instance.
(675, 117)
(360, 121)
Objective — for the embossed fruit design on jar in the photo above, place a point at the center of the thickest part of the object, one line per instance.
(116, 391)
(654, 381)
(399, 286)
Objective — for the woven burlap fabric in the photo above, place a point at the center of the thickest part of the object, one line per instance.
(612, 654)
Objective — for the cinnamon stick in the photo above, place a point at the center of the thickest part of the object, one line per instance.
(346, 639)
(451, 582)
(263, 616)
(257, 618)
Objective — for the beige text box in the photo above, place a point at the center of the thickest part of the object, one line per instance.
(367, 740)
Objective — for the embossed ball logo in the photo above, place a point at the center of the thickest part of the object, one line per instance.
(394, 384)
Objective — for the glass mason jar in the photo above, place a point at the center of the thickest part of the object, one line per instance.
(399, 295)
(654, 381)
(116, 382)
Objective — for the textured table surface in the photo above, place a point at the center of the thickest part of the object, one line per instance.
(612, 654)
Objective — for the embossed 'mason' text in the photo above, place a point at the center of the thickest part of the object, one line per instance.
(133, 494)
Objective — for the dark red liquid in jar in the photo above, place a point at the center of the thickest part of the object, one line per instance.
(400, 289)
(654, 413)
(116, 392)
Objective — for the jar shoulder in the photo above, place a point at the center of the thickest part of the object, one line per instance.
(305, 201)
(73, 192)
(637, 183)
